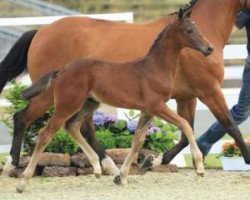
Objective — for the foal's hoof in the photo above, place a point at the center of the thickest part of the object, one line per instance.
(200, 174)
(147, 164)
(97, 175)
(118, 180)
(20, 189)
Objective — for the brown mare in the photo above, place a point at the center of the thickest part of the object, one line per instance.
(145, 84)
(52, 46)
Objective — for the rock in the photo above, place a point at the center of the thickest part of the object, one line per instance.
(54, 171)
(54, 159)
(1, 167)
(143, 153)
(80, 160)
(165, 168)
(24, 161)
(17, 172)
(119, 155)
(134, 169)
(84, 171)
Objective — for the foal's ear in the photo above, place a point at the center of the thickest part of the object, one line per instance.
(180, 14)
(188, 13)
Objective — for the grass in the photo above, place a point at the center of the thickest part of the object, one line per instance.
(245, 136)
(211, 162)
(3, 157)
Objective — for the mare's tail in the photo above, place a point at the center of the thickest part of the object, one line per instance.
(16, 60)
(39, 86)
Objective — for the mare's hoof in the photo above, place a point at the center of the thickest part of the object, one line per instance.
(118, 180)
(247, 161)
(147, 164)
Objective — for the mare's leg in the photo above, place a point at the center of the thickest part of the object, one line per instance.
(88, 132)
(185, 109)
(22, 120)
(44, 138)
(217, 104)
(138, 141)
(168, 115)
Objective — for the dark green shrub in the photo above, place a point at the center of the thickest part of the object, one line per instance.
(106, 138)
(62, 143)
(123, 141)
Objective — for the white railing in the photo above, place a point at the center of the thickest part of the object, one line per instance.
(28, 21)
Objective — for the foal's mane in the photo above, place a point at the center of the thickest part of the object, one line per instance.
(159, 37)
(161, 34)
(186, 7)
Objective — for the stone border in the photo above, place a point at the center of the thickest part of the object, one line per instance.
(61, 165)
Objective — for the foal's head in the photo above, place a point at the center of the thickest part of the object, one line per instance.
(188, 34)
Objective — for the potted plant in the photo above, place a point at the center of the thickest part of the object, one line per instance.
(231, 158)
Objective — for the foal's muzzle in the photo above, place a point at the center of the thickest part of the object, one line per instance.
(208, 51)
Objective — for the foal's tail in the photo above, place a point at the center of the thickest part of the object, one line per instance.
(39, 86)
(16, 60)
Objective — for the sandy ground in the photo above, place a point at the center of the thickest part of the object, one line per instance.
(184, 185)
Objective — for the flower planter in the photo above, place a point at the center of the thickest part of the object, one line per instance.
(234, 164)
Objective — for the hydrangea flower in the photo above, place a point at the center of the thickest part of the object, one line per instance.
(111, 118)
(153, 129)
(132, 125)
(101, 118)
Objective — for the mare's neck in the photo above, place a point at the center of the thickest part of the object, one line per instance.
(215, 19)
(165, 56)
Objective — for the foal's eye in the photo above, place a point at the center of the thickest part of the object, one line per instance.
(189, 31)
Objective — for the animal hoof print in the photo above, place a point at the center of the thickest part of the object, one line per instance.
(117, 180)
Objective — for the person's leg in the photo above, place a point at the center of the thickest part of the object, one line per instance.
(239, 112)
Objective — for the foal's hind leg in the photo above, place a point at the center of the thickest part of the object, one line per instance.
(168, 115)
(44, 138)
(88, 132)
(138, 141)
(73, 127)
(22, 120)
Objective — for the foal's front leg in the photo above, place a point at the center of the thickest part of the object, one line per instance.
(138, 141)
(185, 109)
(168, 115)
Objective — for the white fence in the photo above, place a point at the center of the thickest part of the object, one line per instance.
(28, 21)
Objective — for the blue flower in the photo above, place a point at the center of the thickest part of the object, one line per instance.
(101, 118)
(132, 125)
(153, 129)
(112, 119)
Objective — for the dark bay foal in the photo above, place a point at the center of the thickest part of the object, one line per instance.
(145, 84)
